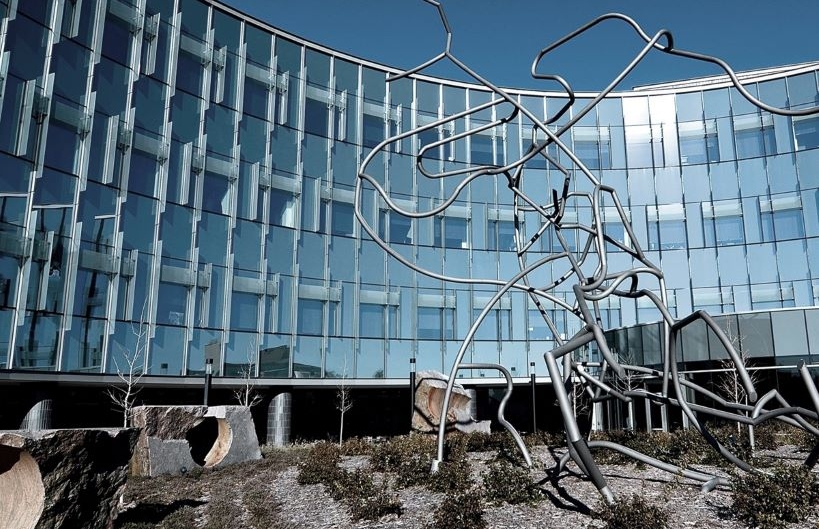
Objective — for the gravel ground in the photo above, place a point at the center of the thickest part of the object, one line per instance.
(223, 499)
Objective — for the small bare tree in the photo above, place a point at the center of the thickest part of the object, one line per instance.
(246, 393)
(628, 382)
(123, 395)
(343, 400)
(728, 383)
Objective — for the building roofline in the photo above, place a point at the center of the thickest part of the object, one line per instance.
(686, 85)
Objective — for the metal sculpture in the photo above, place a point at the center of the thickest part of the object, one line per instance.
(587, 269)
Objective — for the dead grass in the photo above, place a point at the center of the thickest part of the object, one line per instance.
(237, 496)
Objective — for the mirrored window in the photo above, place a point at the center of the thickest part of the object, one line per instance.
(754, 135)
(806, 131)
(436, 323)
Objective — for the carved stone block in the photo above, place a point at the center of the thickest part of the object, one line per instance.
(175, 439)
(62, 478)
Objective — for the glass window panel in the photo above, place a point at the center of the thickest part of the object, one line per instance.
(755, 330)
(189, 73)
(429, 323)
(373, 131)
(807, 133)
(244, 311)
(215, 195)
(282, 208)
(82, 350)
(138, 223)
(149, 101)
(340, 362)
(695, 342)
(308, 357)
(501, 235)
(639, 146)
(789, 333)
(54, 187)
(316, 117)
(400, 229)
(310, 317)
(371, 320)
(343, 219)
(247, 245)
(398, 355)
(205, 344)
(455, 233)
(274, 357)
(370, 361)
(212, 238)
(167, 348)
(672, 234)
(172, 304)
(482, 150)
(788, 224)
(256, 98)
(127, 344)
(142, 174)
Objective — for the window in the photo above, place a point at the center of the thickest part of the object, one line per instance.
(754, 135)
(698, 142)
(255, 98)
(613, 227)
(373, 130)
(538, 329)
(781, 218)
(371, 321)
(428, 137)
(244, 311)
(435, 323)
(770, 296)
(497, 325)
(311, 317)
(666, 227)
(722, 223)
(501, 235)
(593, 147)
(282, 208)
(551, 242)
(482, 150)
(395, 228)
(172, 303)
(644, 146)
(343, 219)
(215, 195)
(451, 232)
(806, 131)
(316, 117)
(615, 230)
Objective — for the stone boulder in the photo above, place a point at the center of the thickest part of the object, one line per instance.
(175, 439)
(52, 479)
(430, 388)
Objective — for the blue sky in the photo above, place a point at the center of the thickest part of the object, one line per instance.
(499, 39)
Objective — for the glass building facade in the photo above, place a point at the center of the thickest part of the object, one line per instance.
(176, 173)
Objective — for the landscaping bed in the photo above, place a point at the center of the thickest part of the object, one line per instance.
(483, 485)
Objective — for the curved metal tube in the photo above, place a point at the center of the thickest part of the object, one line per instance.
(501, 409)
(587, 265)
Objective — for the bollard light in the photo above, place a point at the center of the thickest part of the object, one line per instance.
(532, 381)
(208, 378)
(412, 390)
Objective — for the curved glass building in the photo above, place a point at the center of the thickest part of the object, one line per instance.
(177, 180)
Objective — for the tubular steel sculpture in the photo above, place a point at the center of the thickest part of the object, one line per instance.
(587, 270)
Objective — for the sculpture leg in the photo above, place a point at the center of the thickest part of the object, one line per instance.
(576, 441)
